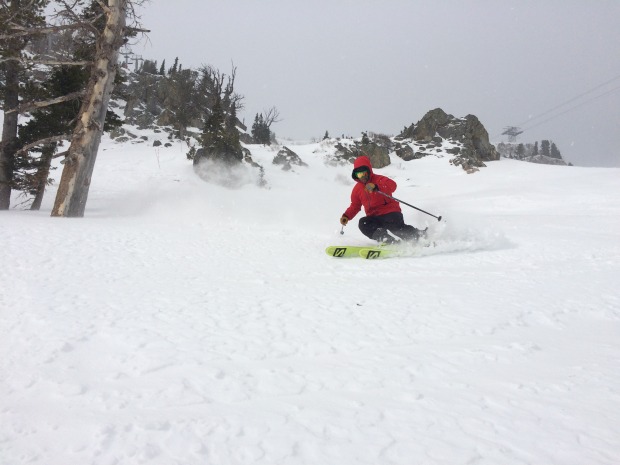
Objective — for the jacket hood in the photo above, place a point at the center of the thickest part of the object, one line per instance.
(359, 162)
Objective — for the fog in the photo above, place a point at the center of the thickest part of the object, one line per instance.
(550, 67)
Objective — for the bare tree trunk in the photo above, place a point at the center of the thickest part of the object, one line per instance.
(80, 162)
(43, 172)
(9, 126)
(9, 134)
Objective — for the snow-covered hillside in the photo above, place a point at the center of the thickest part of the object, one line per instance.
(181, 322)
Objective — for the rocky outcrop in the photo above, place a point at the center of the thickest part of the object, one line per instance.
(545, 160)
(346, 153)
(286, 158)
(378, 154)
(170, 103)
(465, 138)
(232, 172)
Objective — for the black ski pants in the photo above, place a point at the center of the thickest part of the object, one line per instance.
(376, 227)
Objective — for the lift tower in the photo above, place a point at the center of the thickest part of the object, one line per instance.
(512, 132)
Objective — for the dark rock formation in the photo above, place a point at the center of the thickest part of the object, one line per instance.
(286, 158)
(378, 154)
(545, 160)
(347, 153)
(465, 138)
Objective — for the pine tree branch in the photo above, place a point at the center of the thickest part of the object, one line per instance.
(26, 107)
(69, 12)
(26, 31)
(27, 61)
(47, 140)
(136, 29)
(7, 10)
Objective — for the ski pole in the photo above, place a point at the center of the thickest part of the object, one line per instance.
(419, 209)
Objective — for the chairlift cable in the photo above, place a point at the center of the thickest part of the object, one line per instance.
(573, 108)
(568, 101)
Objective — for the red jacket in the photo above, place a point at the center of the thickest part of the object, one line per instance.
(374, 203)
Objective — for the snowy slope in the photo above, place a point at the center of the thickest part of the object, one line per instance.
(180, 322)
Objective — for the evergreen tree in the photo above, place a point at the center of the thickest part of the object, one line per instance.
(220, 138)
(535, 150)
(31, 171)
(520, 151)
(25, 14)
(544, 148)
(255, 129)
(213, 131)
(232, 135)
(326, 136)
(162, 69)
(181, 100)
(261, 134)
(365, 139)
(175, 67)
(555, 153)
(149, 67)
(55, 120)
(528, 150)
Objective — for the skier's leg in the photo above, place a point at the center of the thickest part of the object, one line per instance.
(395, 223)
(374, 228)
(368, 225)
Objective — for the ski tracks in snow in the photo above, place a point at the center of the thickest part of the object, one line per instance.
(176, 335)
(184, 352)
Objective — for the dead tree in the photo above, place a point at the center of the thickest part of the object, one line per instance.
(271, 116)
(82, 154)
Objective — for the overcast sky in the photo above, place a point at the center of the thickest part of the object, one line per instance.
(348, 66)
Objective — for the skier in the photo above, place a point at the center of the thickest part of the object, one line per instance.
(383, 214)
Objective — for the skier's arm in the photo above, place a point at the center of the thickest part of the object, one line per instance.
(385, 184)
(355, 207)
